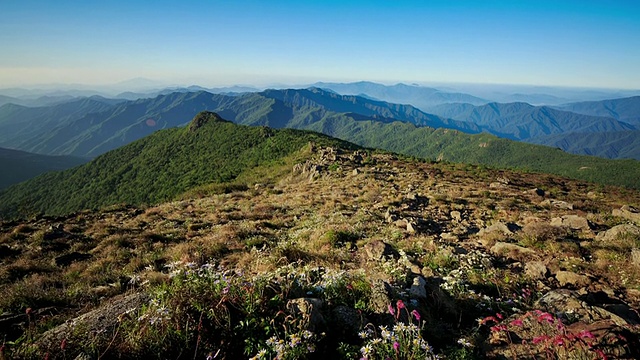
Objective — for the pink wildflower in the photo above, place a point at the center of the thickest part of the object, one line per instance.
(489, 318)
(499, 316)
(396, 346)
(416, 314)
(392, 311)
(517, 322)
(400, 305)
(539, 339)
(585, 334)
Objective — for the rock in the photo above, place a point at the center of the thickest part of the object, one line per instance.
(410, 228)
(418, 289)
(635, 257)
(382, 295)
(67, 259)
(380, 250)
(511, 251)
(348, 321)
(536, 270)
(628, 212)
(355, 171)
(506, 229)
(618, 231)
(574, 222)
(497, 185)
(568, 304)
(566, 278)
(308, 308)
(557, 204)
(537, 192)
(98, 324)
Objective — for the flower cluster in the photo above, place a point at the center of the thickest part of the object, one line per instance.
(403, 340)
(295, 346)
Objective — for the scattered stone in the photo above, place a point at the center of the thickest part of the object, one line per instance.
(537, 192)
(628, 212)
(506, 229)
(617, 231)
(449, 237)
(559, 204)
(308, 308)
(574, 222)
(566, 278)
(536, 270)
(380, 250)
(418, 289)
(511, 251)
(355, 172)
(456, 216)
(410, 228)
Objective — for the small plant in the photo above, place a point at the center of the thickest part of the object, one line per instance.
(403, 341)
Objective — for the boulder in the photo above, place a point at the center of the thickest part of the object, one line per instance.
(506, 229)
(536, 270)
(567, 304)
(511, 251)
(628, 212)
(617, 231)
(380, 250)
(559, 204)
(382, 294)
(569, 278)
(418, 289)
(574, 222)
(348, 321)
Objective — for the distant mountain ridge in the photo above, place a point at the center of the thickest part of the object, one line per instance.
(546, 126)
(624, 109)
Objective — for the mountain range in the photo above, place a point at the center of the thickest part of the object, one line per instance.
(18, 166)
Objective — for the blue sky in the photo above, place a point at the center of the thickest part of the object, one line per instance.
(213, 43)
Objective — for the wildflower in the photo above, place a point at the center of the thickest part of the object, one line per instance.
(396, 346)
(499, 316)
(400, 305)
(392, 311)
(464, 342)
(539, 339)
(416, 314)
(63, 345)
(546, 316)
(517, 322)
(363, 334)
(366, 350)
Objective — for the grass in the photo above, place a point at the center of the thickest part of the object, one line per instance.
(221, 269)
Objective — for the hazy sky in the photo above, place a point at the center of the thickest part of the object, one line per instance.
(211, 43)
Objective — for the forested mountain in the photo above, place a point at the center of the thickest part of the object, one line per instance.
(17, 166)
(624, 109)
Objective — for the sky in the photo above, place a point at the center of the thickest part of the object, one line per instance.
(259, 42)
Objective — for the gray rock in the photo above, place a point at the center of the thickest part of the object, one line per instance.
(559, 204)
(381, 296)
(536, 270)
(618, 231)
(506, 229)
(567, 302)
(570, 278)
(511, 251)
(574, 222)
(418, 289)
(380, 250)
(628, 212)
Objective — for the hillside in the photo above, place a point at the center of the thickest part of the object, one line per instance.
(624, 109)
(19, 166)
(521, 121)
(332, 253)
(158, 167)
(611, 145)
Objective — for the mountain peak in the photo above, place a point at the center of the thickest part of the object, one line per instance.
(202, 118)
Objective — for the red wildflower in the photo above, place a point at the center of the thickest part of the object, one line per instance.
(400, 305)
(416, 314)
(517, 322)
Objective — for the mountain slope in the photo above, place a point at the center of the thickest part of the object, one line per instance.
(158, 167)
(625, 109)
(418, 96)
(19, 166)
(611, 145)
